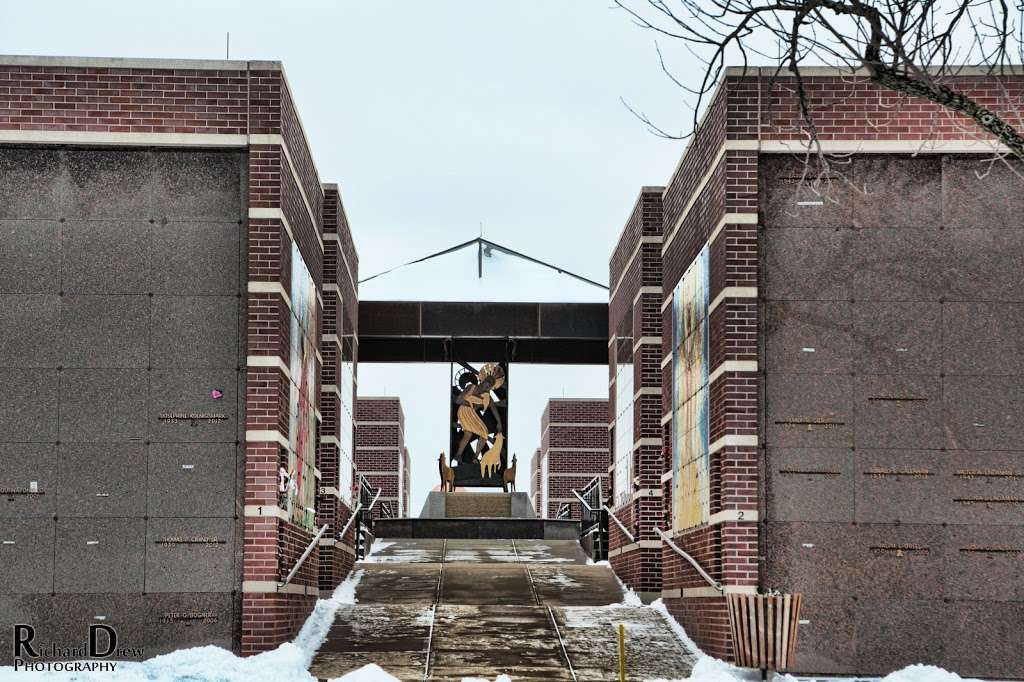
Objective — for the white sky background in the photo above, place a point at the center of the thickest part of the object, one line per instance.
(434, 117)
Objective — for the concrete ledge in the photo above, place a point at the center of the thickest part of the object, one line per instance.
(477, 529)
(139, 63)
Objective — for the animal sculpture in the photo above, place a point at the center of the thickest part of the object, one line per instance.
(491, 460)
(508, 479)
(447, 474)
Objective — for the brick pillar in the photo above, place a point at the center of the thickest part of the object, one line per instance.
(574, 449)
(711, 204)
(635, 396)
(285, 204)
(337, 394)
(380, 451)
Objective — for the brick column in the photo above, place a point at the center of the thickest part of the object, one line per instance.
(711, 203)
(381, 455)
(635, 396)
(337, 394)
(285, 209)
(574, 449)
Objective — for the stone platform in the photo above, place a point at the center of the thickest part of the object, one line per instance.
(467, 505)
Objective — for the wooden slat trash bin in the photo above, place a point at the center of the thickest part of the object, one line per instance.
(764, 629)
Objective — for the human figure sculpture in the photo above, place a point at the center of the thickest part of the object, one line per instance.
(478, 395)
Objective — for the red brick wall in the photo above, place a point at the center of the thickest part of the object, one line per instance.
(535, 482)
(634, 323)
(231, 99)
(133, 100)
(856, 108)
(339, 351)
(276, 187)
(574, 439)
(381, 455)
(713, 181)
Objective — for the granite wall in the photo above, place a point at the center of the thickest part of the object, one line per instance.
(892, 325)
(122, 411)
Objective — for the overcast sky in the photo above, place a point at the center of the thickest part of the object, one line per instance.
(434, 118)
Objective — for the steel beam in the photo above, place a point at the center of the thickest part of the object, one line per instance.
(430, 331)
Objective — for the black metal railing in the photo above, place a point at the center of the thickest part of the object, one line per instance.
(593, 519)
(368, 497)
(564, 512)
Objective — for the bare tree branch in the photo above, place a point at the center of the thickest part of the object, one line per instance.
(911, 47)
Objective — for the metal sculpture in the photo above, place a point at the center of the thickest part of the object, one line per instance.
(447, 474)
(478, 427)
(508, 479)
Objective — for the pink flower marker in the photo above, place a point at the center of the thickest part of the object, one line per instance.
(216, 394)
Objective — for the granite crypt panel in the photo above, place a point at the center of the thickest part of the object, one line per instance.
(121, 282)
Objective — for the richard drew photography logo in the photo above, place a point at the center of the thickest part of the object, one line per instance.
(93, 654)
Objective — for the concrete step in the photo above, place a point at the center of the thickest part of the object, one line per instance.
(392, 636)
(487, 640)
(477, 529)
(525, 642)
(483, 583)
(532, 609)
(440, 505)
(653, 652)
(478, 505)
(428, 550)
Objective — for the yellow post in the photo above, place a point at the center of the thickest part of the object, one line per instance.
(622, 652)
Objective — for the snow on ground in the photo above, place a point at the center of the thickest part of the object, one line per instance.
(368, 673)
(629, 597)
(377, 546)
(401, 555)
(287, 663)
(709, 669)
(659, 606)
(290, 661)
(562, 580)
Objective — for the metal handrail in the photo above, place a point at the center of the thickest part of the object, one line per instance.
(305, 555)
(615, 518)
(582, 501)
(375, 498)
(693, 562)
(355, 515)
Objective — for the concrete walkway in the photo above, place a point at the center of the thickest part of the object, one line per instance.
(532, 609)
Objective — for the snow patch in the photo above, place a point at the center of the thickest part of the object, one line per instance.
(368, 673)
(923, 673)
(659, 606)
(377, 546)
(426, 617)
(287, 663)
(404, 556)
(562, 580)
(629, 597)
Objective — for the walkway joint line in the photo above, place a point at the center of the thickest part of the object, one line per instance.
(430, 639)
(533, 586)
(561, 642)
